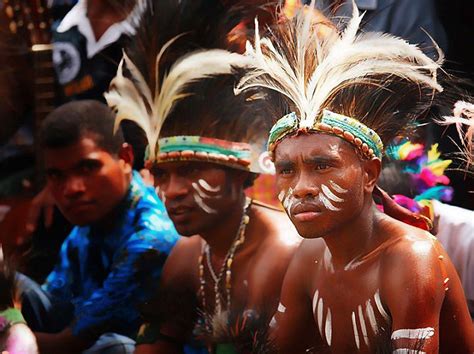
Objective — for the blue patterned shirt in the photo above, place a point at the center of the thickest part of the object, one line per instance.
(108, 276)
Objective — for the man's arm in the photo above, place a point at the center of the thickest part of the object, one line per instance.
(293, 327)
(423, 294)
(171, 315)
(53, 343)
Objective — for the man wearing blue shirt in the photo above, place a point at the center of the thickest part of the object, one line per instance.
(111, 261)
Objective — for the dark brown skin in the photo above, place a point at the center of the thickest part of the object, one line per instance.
(359, 264)
(87, 184)
(259, 264)
(103, 14)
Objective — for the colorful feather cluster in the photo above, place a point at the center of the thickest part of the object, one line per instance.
(427, 176)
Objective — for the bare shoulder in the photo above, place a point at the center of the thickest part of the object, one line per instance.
(279, 232)
(409, 247)
(182, 261)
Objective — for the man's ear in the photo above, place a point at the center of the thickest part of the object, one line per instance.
(126, 155)
(372, 170)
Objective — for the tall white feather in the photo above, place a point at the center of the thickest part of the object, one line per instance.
(340, 58)
(132, 98)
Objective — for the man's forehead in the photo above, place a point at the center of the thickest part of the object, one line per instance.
(308, 145)
(71, 155)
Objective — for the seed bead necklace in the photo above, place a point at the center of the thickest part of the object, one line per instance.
(226, 268)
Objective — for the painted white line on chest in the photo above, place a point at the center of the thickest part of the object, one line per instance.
(417, 333)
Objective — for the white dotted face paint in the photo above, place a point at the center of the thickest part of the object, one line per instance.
(281, 308)
(203, 190)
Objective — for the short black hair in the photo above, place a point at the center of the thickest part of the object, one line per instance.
(67, 124)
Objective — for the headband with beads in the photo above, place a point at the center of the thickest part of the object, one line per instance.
(202, 149)
(349, 129)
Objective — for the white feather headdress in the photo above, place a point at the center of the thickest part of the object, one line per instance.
(132, 99)
(347, 72)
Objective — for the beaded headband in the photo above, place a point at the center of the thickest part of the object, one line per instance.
(349, 129)
(198, 148)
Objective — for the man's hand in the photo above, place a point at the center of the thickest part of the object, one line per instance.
(42, 203)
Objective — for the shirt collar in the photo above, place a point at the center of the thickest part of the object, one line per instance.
(77, 16)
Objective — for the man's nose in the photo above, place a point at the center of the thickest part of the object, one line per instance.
(306, 186)
(73, 186)
(175, 188)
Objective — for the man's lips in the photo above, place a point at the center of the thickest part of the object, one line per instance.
(78, 206)
(305, 211)
(179, 212)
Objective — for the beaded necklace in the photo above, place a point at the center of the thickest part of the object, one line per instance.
(226, 265)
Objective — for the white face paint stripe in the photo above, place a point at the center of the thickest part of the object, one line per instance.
(379, 305)
(369, 310)
(202, 193)
(206, 186)
(273, 322)
(362, 325)
(203, 205)
(281, 195)
(315, 300)
(327, 203)
(330, 195)
(356, 332)
(289, 200)
(281, 308)
(337, 187)
(407, 351)
(320, 316)
(328, 327)
(417, 333)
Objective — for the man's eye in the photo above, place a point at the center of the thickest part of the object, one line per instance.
(285, 171)
(53, 176)
(90, 166)
(321, 166)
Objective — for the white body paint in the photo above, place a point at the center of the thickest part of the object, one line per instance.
(281, 308)
(408, 351)
(328, 196)
(362, 317)
(417, 333)
(203, 190)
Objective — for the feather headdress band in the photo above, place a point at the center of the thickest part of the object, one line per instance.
(132, 98)
(366, 88)
(168, 81)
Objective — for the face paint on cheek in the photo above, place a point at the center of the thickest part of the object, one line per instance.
(328, 196)
(207, 187)
(203, 205)
(289, 200)
(202, 190)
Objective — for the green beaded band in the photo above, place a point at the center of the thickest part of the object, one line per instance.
(350, 129)
(198, 148)
(9, 317)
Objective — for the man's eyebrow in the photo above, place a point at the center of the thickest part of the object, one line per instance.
(284, 163)
(51, 170)
(314, 159)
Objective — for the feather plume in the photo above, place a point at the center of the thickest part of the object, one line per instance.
(463, 115)
(133, 100)
(165, 62)
(347, 72)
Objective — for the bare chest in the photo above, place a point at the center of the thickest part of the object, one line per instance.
(348, 310)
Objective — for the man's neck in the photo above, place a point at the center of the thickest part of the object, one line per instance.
(354, 239)
(103, 14)
(220, 236)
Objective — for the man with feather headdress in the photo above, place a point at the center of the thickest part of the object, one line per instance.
(361, 281)
(206, 145)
